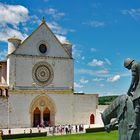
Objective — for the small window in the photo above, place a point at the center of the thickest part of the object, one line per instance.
(43, 48)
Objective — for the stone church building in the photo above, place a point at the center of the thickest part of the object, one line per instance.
(37, 82)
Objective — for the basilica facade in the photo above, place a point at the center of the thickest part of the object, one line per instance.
(37, 84)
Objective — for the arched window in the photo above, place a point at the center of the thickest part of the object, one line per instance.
(46, 117)
(36, 117)
(92, 119)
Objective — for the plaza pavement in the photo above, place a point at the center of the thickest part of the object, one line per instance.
(46, 129)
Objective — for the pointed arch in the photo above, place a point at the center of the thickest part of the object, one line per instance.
(46, 116)
(36, 117)
(47, 109)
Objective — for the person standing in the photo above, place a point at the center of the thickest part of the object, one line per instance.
(76, 128)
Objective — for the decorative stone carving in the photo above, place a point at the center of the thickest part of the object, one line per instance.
(42, 103)
(42, 73)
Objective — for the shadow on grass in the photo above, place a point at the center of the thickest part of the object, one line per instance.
(87, 136)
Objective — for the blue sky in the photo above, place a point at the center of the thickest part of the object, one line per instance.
(103, 34)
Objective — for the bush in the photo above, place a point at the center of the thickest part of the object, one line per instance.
(100, 129)
(106, 100)
(26, 135)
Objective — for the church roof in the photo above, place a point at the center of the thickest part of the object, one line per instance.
(44, 23)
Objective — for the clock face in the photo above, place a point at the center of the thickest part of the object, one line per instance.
(42, 74)
(43, 48)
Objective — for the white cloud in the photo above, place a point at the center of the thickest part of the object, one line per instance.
(108, 61)
(13, 14)
(125, 74)
(10, 18)
(59, 31)
(106, 93)
(86, 71)
(9, 32)
(55, 14)
(93, 50)
(77, 53)
(77, 85)
(98, 79)
(16, 14)
(34, 19)
(134, 13)
(101, 85)
(83, 58)
(95, 23)
(96, 62)
(83, 81)
(114, 78)
(61, 38)
(3, 54)
(103, 71)
(99, 73)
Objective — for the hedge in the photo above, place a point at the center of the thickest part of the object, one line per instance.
(99, 129)
(26, 135)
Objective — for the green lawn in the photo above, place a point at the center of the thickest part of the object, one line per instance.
(88, 136)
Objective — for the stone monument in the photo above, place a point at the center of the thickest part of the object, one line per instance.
(126, 108)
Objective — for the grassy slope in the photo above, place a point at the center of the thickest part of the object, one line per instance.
(88, 136)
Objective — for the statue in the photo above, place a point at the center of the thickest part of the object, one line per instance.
(126, 108)
(134, 89)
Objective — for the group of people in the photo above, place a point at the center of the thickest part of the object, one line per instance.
(67, 129)
(61, 129)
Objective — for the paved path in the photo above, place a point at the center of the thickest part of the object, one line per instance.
(46, 129)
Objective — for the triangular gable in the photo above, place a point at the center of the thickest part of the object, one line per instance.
(43, 33)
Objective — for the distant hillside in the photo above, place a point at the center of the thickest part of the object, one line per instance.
(105, 100)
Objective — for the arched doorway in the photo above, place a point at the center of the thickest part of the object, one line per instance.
(46, 117)
(36, 117)
(42, 111)
(92, 119)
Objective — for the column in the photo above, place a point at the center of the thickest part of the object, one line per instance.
(42, 121)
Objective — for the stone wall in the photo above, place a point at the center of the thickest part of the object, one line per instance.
(20, 72)
(99, 110)
(69, 108)
(3, 112)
